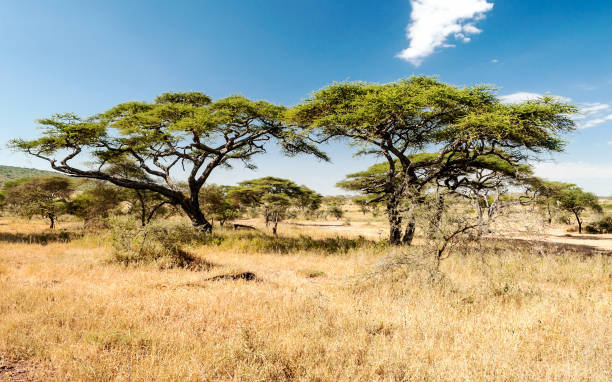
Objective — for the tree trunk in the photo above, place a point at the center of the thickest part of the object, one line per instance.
(409, 233)
(143, 211)
(197, 218)
(52, 221)
(395, 221)
(549, 212)
(275, 227)
(579, 222)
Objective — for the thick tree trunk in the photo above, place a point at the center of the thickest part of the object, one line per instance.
(409, 233)
(395, 221)
(197, 218)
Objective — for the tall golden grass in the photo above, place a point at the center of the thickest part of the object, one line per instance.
(67, 313)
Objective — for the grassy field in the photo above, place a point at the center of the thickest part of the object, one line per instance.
(530, 312)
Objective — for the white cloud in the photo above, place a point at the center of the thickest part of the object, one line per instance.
(593, 177)
(520, 97)
(495, 60)
(595, 122)
(591, 108)
(566, 171)
(432, 22)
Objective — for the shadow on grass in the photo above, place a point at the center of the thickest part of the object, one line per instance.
(39, 238)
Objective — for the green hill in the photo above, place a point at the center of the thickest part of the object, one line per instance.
(8, 173)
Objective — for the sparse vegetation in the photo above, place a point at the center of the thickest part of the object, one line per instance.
(306, 312)
(483, 286)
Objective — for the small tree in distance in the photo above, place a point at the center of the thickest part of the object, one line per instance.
(574, 200)
(216, 203)
(273, 197)
(44, 196)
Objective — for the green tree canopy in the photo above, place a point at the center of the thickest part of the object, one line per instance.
(575, 200)
(396, 120)
(44, 196)
(272, 196)
(179, 133)
(216, 204)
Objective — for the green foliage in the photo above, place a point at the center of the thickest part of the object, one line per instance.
(217, 205)
(273, 197)
(336, 212)
(574, 200)
(44, 196)
(469, 127)
(96, 202)
(603, 225)
(179, 129)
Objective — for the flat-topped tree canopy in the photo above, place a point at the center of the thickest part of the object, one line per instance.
(398, 119)
(179, 132)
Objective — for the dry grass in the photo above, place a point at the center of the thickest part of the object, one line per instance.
(311, 316)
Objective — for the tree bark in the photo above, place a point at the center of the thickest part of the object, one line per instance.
(395, 221)
(52, 221)
(197, 217)
(409, 232)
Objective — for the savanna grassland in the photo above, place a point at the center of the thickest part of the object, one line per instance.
(317, 307)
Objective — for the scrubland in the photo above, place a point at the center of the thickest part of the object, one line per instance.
(319, 309)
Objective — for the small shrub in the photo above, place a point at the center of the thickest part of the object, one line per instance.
(604, 225)
(160, 243)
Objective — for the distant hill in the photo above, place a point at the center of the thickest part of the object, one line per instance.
(8, 173)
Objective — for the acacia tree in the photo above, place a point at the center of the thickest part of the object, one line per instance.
(216, 203)
(147, 203)
(399, 119)
(179, 132)
(44, 196)
(545, 192)
(481, 181)
(574, 200)
(272, 196)
(96, 202)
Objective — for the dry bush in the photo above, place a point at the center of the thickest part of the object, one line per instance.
(160, 243)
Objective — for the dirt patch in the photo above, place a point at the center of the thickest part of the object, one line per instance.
(22, 371)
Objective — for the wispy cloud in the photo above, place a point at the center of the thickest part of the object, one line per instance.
(495, 60)
(593, 108)
(520, 97)
(568, 171)
(432, 22)
(595, 122)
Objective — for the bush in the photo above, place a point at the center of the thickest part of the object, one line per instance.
(158, 243)
(604, 225)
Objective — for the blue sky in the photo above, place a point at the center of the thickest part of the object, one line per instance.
(86, 56)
